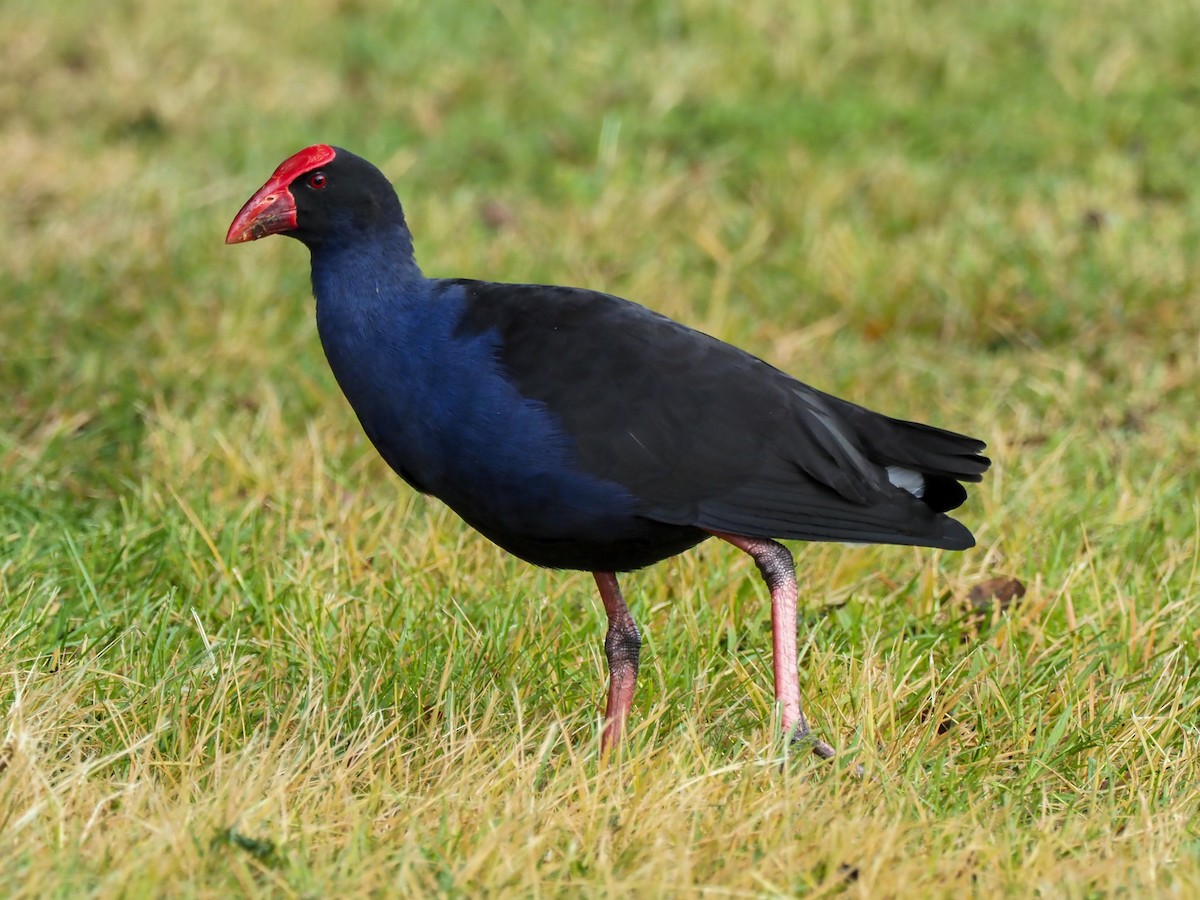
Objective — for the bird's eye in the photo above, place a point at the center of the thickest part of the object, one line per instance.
(317, 180)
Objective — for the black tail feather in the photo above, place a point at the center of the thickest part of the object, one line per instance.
(942, 494)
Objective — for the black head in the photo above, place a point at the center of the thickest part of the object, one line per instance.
(319, 195)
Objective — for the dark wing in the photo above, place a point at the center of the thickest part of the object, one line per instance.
(704, 434)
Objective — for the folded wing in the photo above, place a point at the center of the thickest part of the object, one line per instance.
(704, 434)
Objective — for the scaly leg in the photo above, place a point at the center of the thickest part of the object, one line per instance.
(622, 646)
(779, 572)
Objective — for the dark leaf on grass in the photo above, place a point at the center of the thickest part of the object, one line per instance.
(495, 215)
(995, 593)
(1094, 219)
(262, 850)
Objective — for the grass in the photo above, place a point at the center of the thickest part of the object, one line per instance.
(238, 657)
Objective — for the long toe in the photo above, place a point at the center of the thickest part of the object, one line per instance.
(822, 749)
(806, 738)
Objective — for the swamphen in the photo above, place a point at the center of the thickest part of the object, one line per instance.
(578, 430)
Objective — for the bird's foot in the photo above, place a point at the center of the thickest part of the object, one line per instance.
(821, 749)
(806, 738)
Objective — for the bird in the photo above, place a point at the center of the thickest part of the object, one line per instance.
(578, 430)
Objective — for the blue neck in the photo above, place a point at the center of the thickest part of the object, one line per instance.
(371, 301)
(365, 270)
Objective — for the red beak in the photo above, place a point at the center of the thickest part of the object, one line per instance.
(271, 210)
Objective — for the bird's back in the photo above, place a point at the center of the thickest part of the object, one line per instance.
(706, 436)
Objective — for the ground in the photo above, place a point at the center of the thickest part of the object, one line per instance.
(238, 656)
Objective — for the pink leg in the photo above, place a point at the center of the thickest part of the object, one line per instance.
(779, 572)
(622, 646)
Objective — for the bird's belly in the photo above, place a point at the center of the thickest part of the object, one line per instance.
(543, 510)
(647, 543)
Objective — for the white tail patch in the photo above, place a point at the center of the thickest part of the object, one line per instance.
(907, 480)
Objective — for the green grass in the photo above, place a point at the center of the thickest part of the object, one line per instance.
(237, 656)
